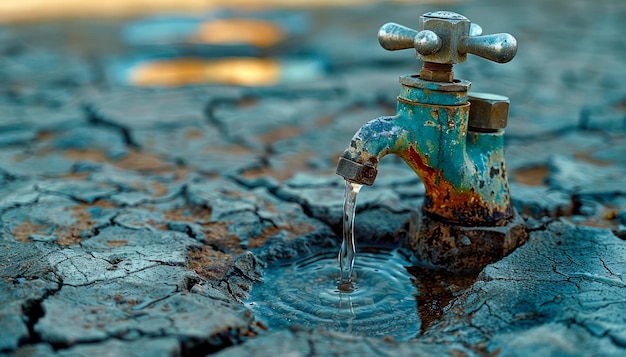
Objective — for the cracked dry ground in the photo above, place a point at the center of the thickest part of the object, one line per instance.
(135, 221)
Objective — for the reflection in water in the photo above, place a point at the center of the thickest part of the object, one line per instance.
(305, 292)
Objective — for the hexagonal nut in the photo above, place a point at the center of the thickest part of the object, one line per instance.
(436, 76)
(356, 172)
(488, 111)
(450, 27)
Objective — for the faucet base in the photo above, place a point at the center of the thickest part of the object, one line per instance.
(462, 249)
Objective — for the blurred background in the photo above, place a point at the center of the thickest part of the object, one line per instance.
(168, 42)
(271, 88)
(31, 10)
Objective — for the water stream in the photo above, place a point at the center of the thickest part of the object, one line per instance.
(374, 296)
(348, 245)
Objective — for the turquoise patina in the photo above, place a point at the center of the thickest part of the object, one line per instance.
(463, 170)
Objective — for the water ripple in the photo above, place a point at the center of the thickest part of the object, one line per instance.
(304, 292)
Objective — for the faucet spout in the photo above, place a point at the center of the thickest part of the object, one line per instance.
(372, 141)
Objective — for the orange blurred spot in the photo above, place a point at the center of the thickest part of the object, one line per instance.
(249, 31)
(185, 71)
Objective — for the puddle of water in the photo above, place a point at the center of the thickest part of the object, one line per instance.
(348, 245)
(305, 292)
(380, 294)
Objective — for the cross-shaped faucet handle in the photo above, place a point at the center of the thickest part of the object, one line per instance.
(446, 37)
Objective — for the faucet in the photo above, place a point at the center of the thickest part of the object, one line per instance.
(452, 139)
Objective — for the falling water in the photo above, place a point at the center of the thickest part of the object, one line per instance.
(306, 291)
(348, 246)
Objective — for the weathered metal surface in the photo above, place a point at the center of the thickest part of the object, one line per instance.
(488, 111)
(457, 152)
(437, 93)
(464, 172)
(355, 172)
(463, 249)
(446, 37)
(437, 72)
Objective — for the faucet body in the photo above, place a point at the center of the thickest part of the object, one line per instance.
(453, 141)
(463, 171)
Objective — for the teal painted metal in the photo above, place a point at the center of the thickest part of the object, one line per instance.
(463, 171)
(453, 141)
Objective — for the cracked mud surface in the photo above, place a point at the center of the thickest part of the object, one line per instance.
(137, 220)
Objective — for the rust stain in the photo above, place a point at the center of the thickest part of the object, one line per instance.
(158, 225)
(292, 164)
(436, 289)
(86, 155)
(19, 157)
(598, 222)
(45, 135)
(194, 134)
(188, 214)
(158, 189)
(217, 234)
(280, 134)
(294, 230)
(23, 230)
(180, 174)
(260, 240)
(531, 176)
(136, 160)
(247, 102)
(68, 235)
(117, 243)
(587, 157)
(234, 149)
(444, 200)
(266, 171)
(606, 218)
(77, 175)
(103, 204)
(325, 121)
(209, 263)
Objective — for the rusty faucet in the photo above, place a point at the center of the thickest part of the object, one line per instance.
(451, 139)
